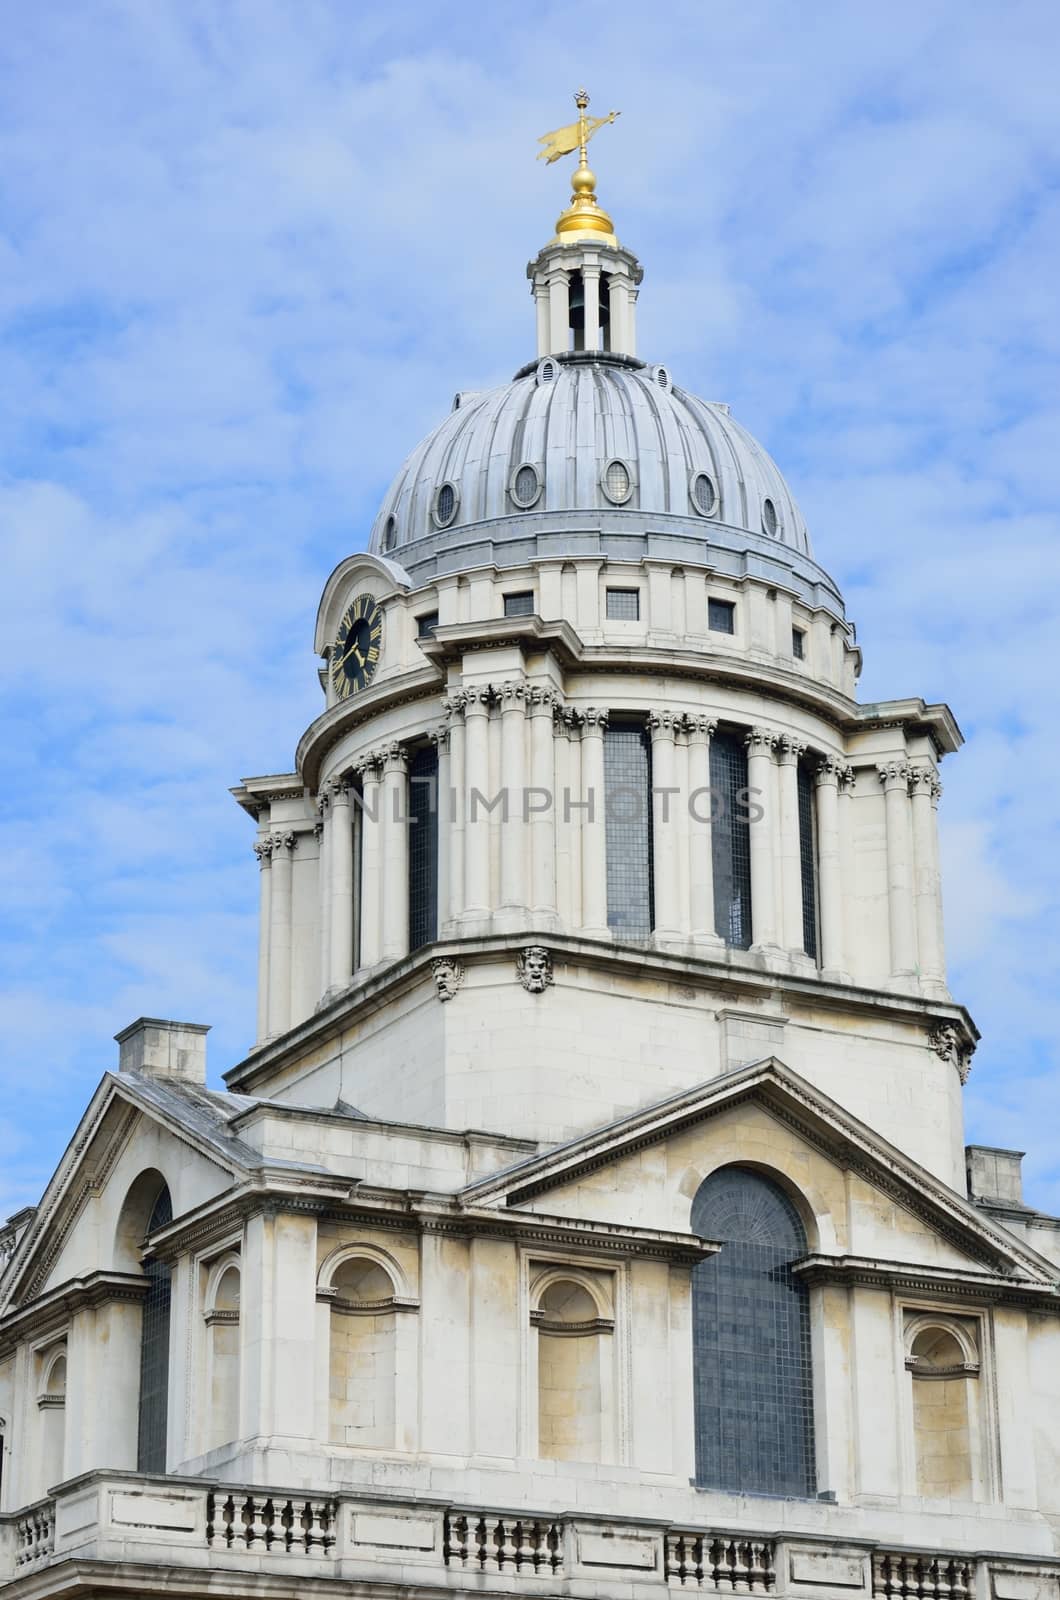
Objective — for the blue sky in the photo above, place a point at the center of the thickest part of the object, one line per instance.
(248, 251)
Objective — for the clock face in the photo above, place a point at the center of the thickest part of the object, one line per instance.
(355, 653)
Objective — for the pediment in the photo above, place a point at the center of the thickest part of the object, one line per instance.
(375, 574)
(862, 1197)
(132, 1125)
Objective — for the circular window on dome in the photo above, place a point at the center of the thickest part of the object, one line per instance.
(662, 377)
(547, 370)
(390, 533)
(769, 518)
(704, 494)
(445, 504)
(617, 482)
(525, 486)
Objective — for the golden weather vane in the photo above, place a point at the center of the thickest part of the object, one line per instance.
(583, 218)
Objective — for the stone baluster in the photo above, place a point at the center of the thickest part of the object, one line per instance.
(543, 802)
(700, 818)
(284, 845)
(477, 824)
(789, 753)
(371, 929)
(339, 833)
(894, 776)
(512, 696)
(761, 771)
(395, 842)
(829, 773)
(263, 851)
(925, 790)
(593, 828)
(665, 823)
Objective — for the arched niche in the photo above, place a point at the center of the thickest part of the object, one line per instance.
(222, 1316)
(367, 1352)
(942, 1359)
(752, 1366)
(149, 1207)
(51, 1406)
(134, 1219)
(572, 1315)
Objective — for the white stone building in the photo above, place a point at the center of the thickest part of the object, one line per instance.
(592, 1215)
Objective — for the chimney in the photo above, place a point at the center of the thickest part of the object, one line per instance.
(994, 1175)
(158, 1049)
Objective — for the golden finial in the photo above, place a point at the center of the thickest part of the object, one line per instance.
(583, 218)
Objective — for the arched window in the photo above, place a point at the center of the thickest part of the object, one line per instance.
(423, 810)
(628, 822)
(154, 1351)
(363, 1355)
(942, 1359)
(730, 840)
(222, 1382)
(751, 1341)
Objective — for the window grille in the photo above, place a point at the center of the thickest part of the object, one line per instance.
(426, 624)
(423, 847)
(154, 1352)
(617, 483)
(769, 518)
(445, 505)
(808, 860)
(721, 616)
(519, 605)
(730, 839)
(704, 494)
(751, 1341)
(623, 605)
(798, 644)
(628, 816)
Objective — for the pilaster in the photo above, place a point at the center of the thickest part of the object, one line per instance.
(761, 769)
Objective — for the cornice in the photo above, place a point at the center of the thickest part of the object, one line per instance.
(735, 980)
(48, 1311)
(405, 688)
(910, 1278)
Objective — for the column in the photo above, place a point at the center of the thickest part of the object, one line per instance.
(263, 851)
(541, 309)
(593, 830)
(894, 775)
(827, 777)
(619, 327)
(452, 809)
(395, 841)
(559, 311)
(701, 842)
(440, 740)
(371, 858)
(925, 790)
(283, 848)
(790, 750)
(339, 834)
(542, 802)
(477, 830)
(513, 780)
(591, 285)
(568, 759)
(761, 768)
(664, 824)
(323, 833)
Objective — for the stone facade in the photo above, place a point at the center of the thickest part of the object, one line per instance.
(456, 1287)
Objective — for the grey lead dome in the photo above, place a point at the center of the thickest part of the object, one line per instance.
(568, 419)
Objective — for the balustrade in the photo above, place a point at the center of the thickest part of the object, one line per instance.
(719, 1561)
(262, 1522)
(913, 1577)
(502, 1544)
(35, 1534)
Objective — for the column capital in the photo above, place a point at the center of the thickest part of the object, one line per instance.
(439, 735)
(593, 719)
(664, 724)
(511, 694)
(700, 729)
(263, 850)
(925, 780)
(335, 792)
(394, 757)
(790, 749)
(287, 840)
(893, 775)
(848, 778)
(367, 766)
(544, 699)
(477, 700)
(760, 741)
(830, 770)
(453, 704)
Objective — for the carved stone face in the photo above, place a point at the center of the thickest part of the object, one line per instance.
(535, 968)
(448, 976)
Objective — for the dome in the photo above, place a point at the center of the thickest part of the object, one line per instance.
(569, 420)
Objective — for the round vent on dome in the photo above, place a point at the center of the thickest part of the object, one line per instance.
(547, 370)
(769, 518)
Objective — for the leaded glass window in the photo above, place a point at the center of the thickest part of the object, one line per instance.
(751, 1341)
(154, 1352)
(519, 605)
(627, 807)
(617, 483)
(730, 840)
(808, 860)
(423, 847)
(623, 605)
(721, 616)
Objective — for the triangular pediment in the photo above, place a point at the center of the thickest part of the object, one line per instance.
(133, 1123)
(913, 1209)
